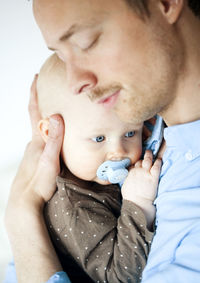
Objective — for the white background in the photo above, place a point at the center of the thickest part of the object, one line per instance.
(22, 51)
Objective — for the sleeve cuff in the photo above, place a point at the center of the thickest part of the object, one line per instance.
(59, 277)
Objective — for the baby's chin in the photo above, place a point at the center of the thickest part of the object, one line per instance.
(101, 182)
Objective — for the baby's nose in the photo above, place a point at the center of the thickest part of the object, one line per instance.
(116, 152)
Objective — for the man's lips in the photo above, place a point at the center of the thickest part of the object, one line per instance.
(109, 101)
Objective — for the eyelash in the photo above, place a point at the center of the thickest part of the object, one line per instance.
(132, 133)
(94, 42)
(95, 139)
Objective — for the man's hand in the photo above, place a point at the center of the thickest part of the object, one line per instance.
(34, 184)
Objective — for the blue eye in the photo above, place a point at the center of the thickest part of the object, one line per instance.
(130, 134)
(98, 139)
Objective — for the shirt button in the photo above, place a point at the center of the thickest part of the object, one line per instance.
(189, 155)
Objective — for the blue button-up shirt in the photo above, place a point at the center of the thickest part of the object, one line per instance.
(175, 251)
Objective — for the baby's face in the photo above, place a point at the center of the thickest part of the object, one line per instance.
(94, 135)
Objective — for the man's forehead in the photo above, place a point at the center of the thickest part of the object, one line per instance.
(58, 18)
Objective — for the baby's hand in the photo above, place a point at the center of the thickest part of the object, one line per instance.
(141, 185)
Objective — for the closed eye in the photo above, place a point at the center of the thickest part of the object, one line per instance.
(130, 134)
(92, 44)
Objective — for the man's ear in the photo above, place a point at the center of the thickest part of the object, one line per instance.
(171, 9)
(43, 127)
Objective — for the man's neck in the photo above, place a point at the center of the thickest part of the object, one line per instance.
(186, 104)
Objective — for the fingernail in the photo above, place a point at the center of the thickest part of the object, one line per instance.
(54, 123)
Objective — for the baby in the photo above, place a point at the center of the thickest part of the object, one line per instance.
(101, 233)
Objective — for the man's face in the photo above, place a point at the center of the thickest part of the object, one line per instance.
(112, 55)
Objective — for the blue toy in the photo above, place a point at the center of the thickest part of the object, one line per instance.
(114, 171)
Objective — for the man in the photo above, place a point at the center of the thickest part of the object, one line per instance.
(137, 58)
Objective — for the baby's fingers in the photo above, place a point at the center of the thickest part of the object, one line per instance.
(147, 161)
(155, 170)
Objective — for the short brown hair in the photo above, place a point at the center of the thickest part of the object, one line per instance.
(141, 6)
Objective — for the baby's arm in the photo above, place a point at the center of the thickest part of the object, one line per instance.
(141, 184)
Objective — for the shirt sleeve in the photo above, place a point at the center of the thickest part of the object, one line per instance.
(184, 267)
(59, 277)
(11, 277)
(108, 248)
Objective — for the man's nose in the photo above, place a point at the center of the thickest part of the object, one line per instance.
(117, 152)
(79, 79)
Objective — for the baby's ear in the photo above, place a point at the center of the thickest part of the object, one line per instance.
(43, 127)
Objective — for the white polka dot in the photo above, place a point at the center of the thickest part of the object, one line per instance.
(58, 229)
(135, 212)
(100, 243)
(57, 239)
(78, 257)
(111, 239)
(105, 268)
(67, 213)
(63, 189)
(56, 202)
(145, 245)
(120, 227)
(121, 255)
(126, 236)
(129, 224)
(141, 225)
(135, 247)
(103, 200)
(50, 226)
(62, 198)
(102, 223)
(94, 235)
(125, 267)
(90, 195)
(56, 215)
(86, 248)
(70, 229)
(90, 220)
(139, 267)
(97, 256)
(82, 232)
(96, 268)
(108, 253)
(77, 217)
(65, 235)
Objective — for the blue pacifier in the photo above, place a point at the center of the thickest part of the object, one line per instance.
(114, 171)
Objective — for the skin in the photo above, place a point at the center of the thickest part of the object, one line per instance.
(147, 72)
(94, 134)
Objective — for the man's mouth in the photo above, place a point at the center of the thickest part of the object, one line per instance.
(110, 101)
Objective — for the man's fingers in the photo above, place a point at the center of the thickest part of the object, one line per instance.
(49, 165)
(33, 108)
(147, 161)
